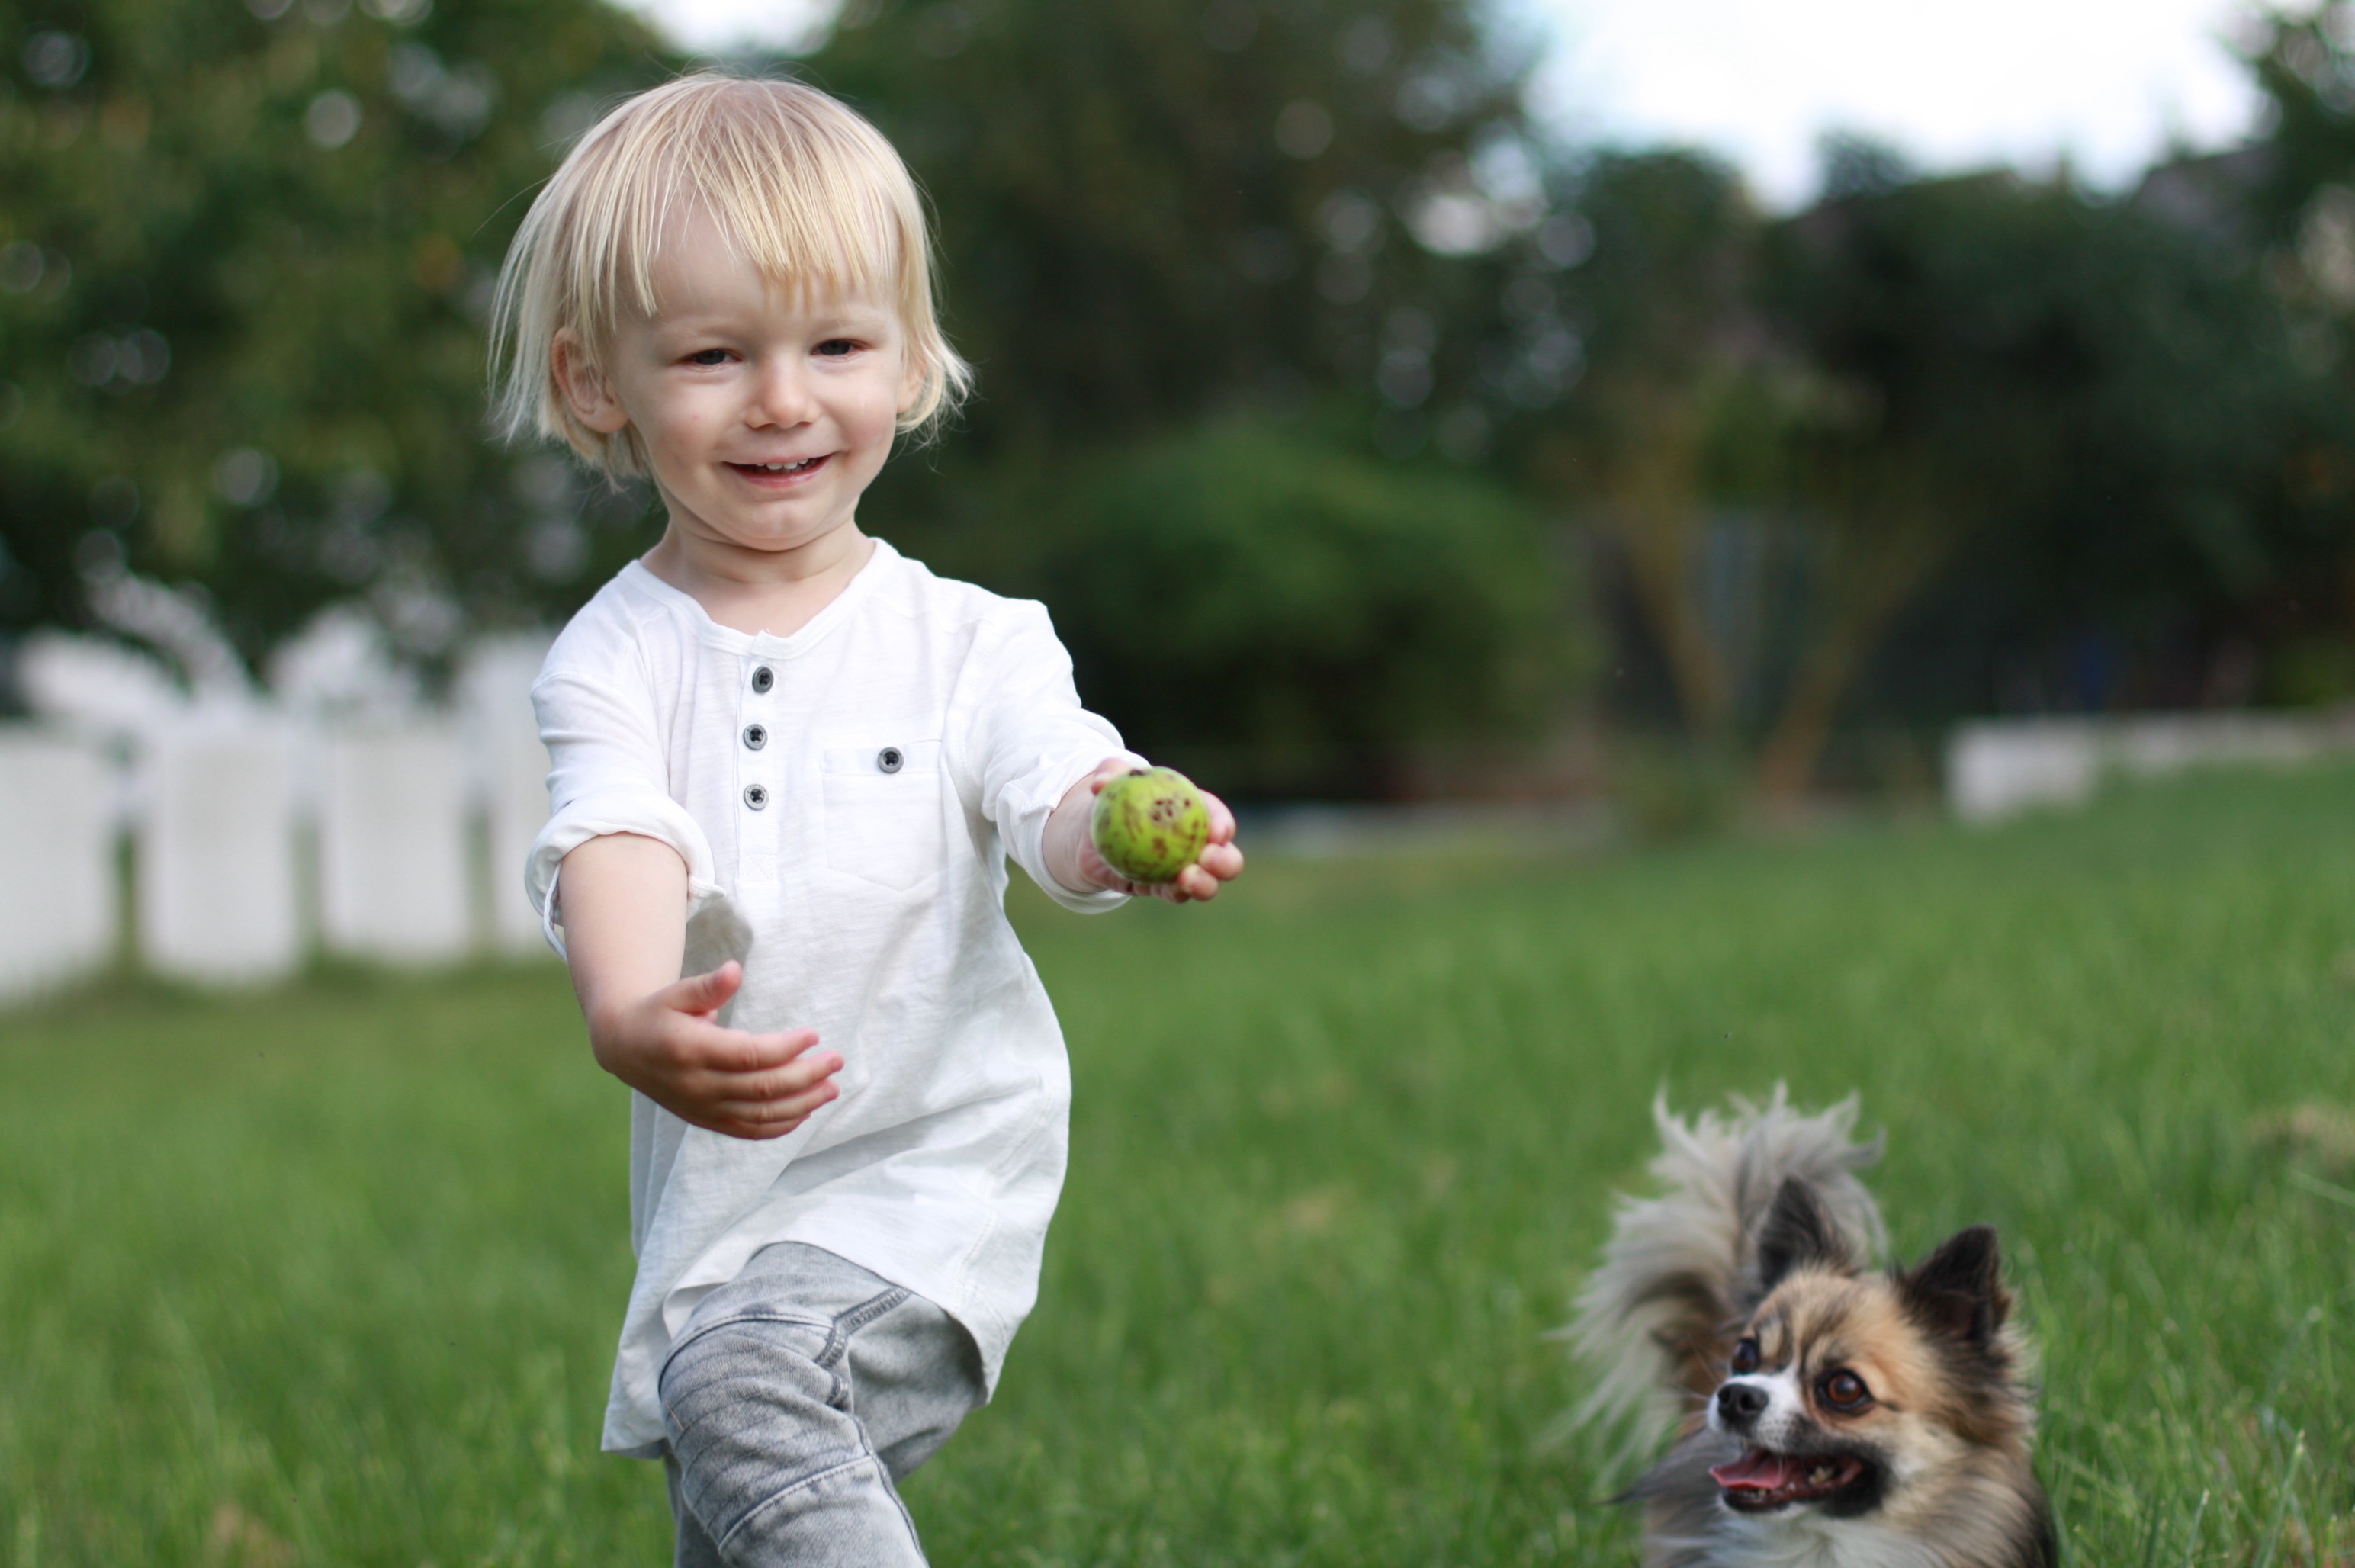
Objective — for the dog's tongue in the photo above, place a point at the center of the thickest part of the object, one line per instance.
(1755, 1471)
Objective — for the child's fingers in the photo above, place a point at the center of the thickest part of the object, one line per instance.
(770, 1083)
(1222, 821)
(702, 993)
(771, 1118)
(707, 1048)
(1194, 885)
(1199, 881)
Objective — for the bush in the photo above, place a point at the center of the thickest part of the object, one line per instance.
(1284, 617)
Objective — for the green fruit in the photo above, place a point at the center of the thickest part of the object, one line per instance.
(1149, 827)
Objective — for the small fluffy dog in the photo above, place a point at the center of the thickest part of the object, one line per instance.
(1830, 1414)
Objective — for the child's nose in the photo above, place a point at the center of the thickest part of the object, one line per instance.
(782, 394)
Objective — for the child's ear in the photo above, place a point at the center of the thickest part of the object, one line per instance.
(912, 381)
(586, 391)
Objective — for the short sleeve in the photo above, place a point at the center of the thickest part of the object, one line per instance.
(1019, 733)
(607, 773)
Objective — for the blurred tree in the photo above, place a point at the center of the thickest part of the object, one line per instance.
(1284, 615)
(2021, 369)
(1152, 209)
(2070, 395)
(2296, 187)
(1230, 272)
(1664, 307)
(244, 256)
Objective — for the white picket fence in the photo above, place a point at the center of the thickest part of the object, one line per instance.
(259, 833)
(1998, 768)
(256, 836)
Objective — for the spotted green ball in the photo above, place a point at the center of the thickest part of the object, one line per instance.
(1150, 824)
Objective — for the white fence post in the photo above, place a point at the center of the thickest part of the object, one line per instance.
(1997, 767)
(511, 777)
(218, 899)
(393, 882)
(58, 908)
(416, 817)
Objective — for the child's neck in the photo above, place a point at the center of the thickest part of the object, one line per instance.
(755, 591)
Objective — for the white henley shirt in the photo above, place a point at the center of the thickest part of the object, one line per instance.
(844, 799)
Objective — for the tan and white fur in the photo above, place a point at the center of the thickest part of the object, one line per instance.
(1829, 1414)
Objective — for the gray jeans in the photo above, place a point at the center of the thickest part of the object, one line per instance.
(794, 1398)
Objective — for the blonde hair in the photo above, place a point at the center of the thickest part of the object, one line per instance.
(807, 190)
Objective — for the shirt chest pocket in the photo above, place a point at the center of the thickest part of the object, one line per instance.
(883, 811)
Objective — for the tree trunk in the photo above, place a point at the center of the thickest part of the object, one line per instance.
(1881, 584)
(1655, 514)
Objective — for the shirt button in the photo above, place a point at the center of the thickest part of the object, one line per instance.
(764, 678)
(756, 796)
(755, 736)
(890, 760)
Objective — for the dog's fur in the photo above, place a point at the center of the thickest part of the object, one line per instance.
(1737, 1305)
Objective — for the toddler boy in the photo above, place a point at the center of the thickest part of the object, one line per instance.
(789, 764)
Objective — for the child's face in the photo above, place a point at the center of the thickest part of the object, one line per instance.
(764, 414)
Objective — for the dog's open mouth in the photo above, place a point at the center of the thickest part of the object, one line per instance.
(1761, 1481)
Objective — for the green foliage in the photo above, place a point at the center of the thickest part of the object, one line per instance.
(332, 1275)
(1151, 207)
(1674, 234)
(1276, 615)
(246, 258)
(1152, 213)
(2079, 378)
(2023, 414)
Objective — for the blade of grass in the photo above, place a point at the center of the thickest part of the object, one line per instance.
(2320, 1187)
(2281, 1507)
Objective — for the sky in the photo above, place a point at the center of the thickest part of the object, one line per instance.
(2108, 84)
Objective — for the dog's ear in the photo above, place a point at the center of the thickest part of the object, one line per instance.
(1958, 1290)
(1799, 1231)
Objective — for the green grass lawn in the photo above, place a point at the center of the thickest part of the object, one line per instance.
(331, 1276)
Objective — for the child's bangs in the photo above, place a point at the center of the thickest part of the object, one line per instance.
(834, 214)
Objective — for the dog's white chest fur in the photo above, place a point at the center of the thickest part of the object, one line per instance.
(1811, 1540)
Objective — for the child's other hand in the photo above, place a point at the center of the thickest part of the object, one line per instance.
(670, 1048)
(1220, 861)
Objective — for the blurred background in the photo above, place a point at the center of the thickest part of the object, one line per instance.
(1528, 452)
(1388, 402)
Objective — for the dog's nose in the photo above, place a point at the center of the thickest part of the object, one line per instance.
(1740, 1402)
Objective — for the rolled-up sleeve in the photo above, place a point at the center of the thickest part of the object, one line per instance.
(1025, 739)
(606, 774)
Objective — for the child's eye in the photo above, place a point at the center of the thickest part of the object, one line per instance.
(708, 357)
(838, 347)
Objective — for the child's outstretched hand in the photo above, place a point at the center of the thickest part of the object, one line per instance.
(670, 1047)
(1071, 851)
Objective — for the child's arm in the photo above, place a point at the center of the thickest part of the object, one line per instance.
(1071, 848)
(624, 901)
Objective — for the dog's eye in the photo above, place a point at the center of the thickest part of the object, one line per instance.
(1843, 1389)
(1745, 1357)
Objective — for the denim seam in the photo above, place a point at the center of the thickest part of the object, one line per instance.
(867, 1456)
(838, 1342)
(749, 1314)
